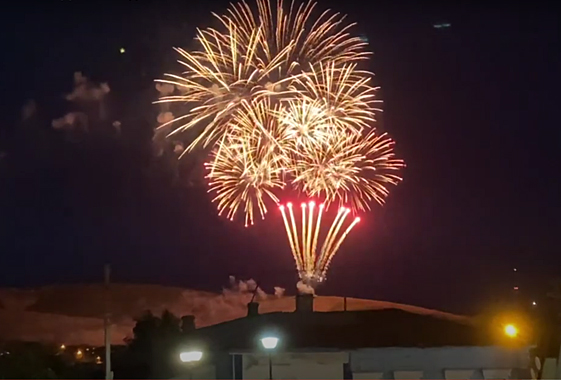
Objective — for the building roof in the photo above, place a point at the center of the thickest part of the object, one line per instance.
(341, 330)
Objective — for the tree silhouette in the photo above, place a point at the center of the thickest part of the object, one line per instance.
(153, 350)
(549, 326)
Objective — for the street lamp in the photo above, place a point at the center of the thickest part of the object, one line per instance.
(511, 331)
(190, 357)
(270, 343)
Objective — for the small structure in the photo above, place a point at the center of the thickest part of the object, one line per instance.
(367, 344)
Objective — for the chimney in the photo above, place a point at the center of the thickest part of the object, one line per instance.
(304, 303)
(188, 323)
(252, 309)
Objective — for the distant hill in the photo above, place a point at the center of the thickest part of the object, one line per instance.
(72, 314)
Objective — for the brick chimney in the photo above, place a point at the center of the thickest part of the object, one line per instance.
(252, 309)
(304, 303)
(188, 323)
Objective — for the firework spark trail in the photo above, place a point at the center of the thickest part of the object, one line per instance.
(334, 230)
(276, 96)
(338, 244)
(254, 54)
(343, 93)
(293, 247)
(312, 267)
(246, 167)
(350, 169)
(305, 67)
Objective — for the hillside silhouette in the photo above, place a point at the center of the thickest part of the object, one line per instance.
(72, 314)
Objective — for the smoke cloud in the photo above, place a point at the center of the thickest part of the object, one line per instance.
(86, 91)
(249, 287)
(28, 110)
(304, 289)
(279, 292)
(178, 147)
(165, 89)
(164, 117)
(71, 121)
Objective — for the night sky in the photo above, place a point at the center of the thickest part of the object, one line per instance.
(472, 107)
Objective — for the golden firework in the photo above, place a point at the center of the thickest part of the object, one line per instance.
(277, 95)
(305, 124)
(350, 169)
(248, 163)
(312, 246)
(343, 93)
(254, 54)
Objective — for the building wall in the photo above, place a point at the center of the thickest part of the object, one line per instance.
(394, 363)
(376, 363)
(295, 365)
(440, 363)
(204, 372)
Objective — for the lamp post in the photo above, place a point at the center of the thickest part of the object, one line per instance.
(190, 357)
(270, 343)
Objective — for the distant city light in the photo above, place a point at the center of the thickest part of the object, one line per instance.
(515, 269)
(442, 25)
(122, 50)
(79, 354)
(62, 347)
(515, 288)
(534, 303)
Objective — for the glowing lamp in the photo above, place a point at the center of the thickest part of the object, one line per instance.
(269, 342)
(511, 331)
(191, 356)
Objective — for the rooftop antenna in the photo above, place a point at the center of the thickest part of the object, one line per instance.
(254, 292)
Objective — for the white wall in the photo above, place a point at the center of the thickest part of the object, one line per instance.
(394, 363)
(295, 365)
(439, 363)
(199, 372)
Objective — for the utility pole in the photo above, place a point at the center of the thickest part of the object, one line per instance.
(107, 325)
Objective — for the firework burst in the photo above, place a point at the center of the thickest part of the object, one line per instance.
(343, 93)
(254, 54)
(247, 164)
(349, 169)
(276, 95)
